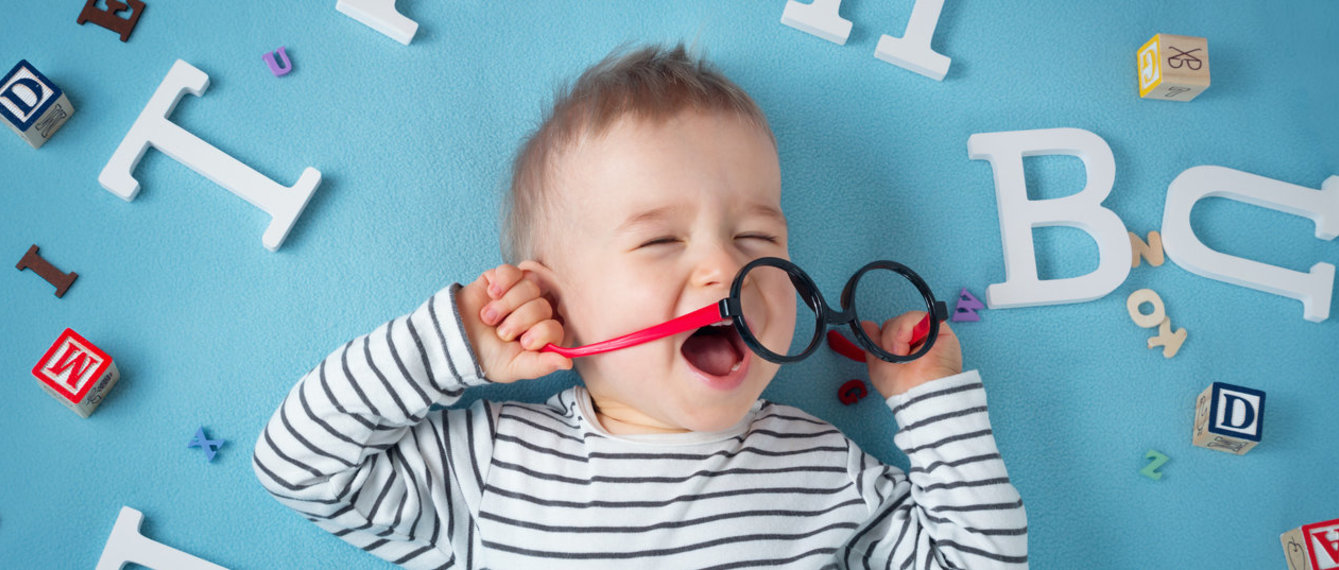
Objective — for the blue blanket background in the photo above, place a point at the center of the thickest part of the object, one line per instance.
(210, 329)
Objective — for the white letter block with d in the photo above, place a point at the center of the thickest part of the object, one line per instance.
(32, 105)
(1314, 288)
(1083, 210)
(153, 128)
(1229, 418)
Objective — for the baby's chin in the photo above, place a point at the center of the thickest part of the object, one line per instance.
(719, 412)
(677, 400)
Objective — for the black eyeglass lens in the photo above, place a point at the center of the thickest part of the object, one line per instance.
(883, 294)
(780, 318)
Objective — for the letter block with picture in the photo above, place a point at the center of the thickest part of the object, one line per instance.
(76, 372)
(32, 105)
(1312, 547)
(1173, 68)
(1229, 418)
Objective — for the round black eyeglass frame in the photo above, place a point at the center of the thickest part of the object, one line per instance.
(825, 316)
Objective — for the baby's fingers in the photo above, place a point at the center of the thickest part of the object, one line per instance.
(542, 334)
(904, 331)
(896, 334)
(534, 364)
(523, 318)
(519, 293)
(502, 278)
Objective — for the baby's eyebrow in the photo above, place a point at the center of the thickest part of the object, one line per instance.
(647, 217)
(769, 211)
(656, 214)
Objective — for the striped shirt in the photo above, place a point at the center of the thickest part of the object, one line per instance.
(358, 448)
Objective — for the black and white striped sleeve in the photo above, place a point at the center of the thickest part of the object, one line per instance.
(355, 448)
(955, 507)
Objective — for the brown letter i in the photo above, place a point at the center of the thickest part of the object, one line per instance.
(47, 271)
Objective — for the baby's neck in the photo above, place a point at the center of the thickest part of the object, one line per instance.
(619, 420)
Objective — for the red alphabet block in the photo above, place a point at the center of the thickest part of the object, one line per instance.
(1312, 547)
(76, 372)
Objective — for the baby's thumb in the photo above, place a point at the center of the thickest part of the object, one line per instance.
(881, 337)
(531, 364)
(899, 333)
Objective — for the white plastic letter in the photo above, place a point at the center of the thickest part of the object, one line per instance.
(381, 16)
(1083, 210)
(127, 546)
(819, 18)
(1314, 288)
(912, 51)
(154, 128)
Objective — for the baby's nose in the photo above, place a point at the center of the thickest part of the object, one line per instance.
(716, 268)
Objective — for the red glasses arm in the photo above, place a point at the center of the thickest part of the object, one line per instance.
(696, 319)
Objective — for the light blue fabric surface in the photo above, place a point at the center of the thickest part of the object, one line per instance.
(210, 329)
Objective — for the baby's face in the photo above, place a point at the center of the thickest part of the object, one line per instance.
(652, 222)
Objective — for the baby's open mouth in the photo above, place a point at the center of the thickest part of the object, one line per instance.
(715, 349)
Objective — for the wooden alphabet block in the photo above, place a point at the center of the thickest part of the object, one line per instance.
(1229, 418)
(32, 105)
(76, 372)
(1173, 68)
(1312, 547)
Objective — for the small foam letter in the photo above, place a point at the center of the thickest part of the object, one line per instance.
(275, 68)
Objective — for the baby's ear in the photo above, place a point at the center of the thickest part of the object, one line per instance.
(549, 285)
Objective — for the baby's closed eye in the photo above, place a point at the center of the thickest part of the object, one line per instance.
(658, 241)
(758, 236)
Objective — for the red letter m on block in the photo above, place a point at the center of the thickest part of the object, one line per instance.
(73, 358)
(71, 366)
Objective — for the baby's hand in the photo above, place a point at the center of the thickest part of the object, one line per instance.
(508, 319)
(944, 359)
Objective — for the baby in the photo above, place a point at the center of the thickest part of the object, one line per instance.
(651, 183)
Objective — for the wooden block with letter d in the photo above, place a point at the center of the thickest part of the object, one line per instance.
(1229, 418)
(32, 105)
(1173, 68)
(1312, 547)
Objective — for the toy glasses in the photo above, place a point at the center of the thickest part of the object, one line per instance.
(879, 291)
